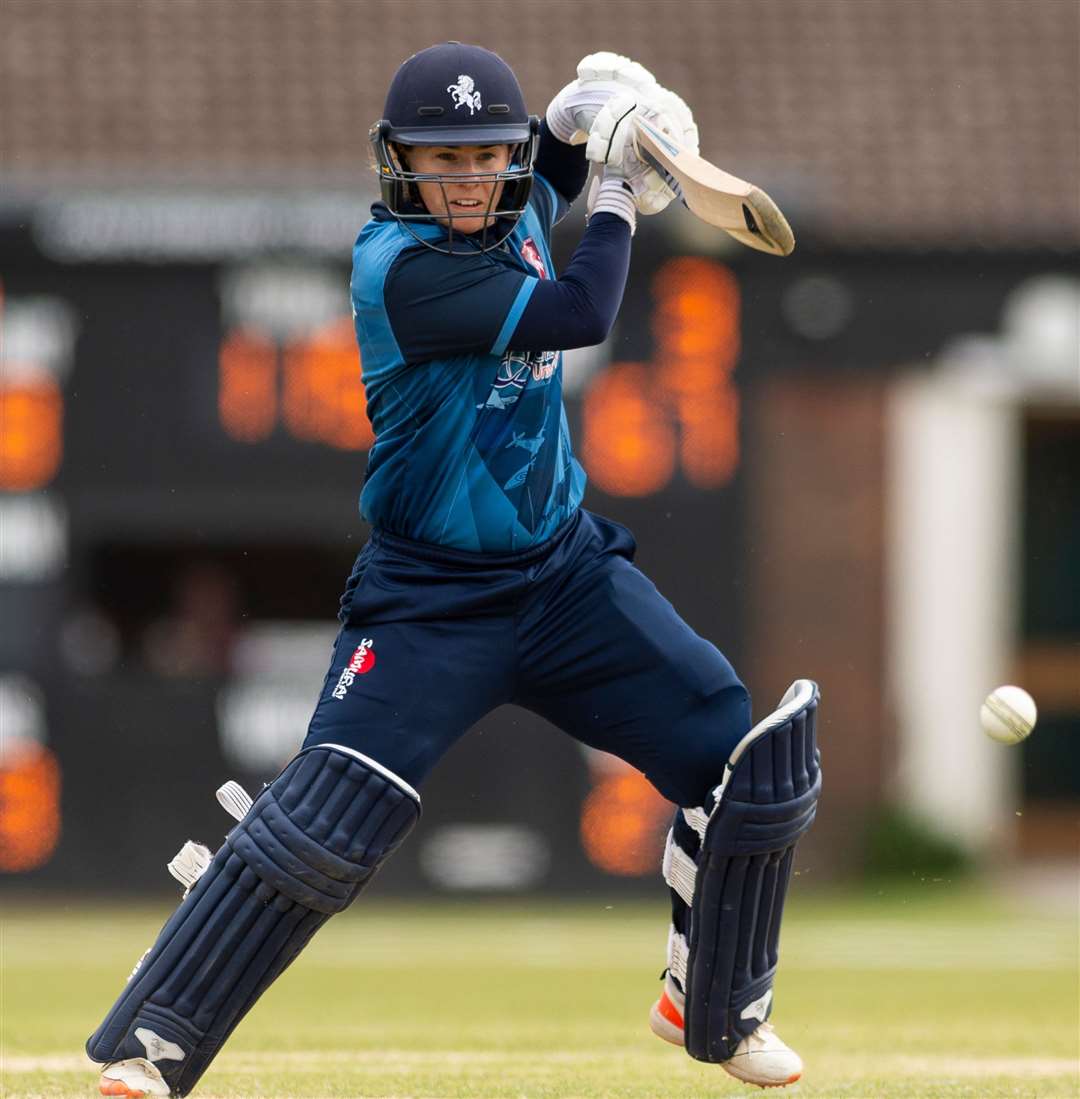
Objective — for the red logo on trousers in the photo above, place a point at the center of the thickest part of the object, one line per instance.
(360, 663)
(363, 660)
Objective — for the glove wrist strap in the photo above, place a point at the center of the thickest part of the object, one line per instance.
(613, 196)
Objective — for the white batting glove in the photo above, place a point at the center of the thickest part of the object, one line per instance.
(611, 144)
(605, 65)
(672, 106)
(668, 112)
(571, 113)
(611, 138)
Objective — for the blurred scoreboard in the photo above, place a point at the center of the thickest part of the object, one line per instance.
(182, 450)
(182, 445)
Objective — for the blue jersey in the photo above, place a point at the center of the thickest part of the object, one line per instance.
(472, 448)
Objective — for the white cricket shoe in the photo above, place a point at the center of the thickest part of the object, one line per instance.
(765, 1060)
(761, 1059)
(133, 1078)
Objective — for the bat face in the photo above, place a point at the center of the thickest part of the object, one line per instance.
(715, 196)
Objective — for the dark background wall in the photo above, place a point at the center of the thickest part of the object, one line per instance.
(770, 542)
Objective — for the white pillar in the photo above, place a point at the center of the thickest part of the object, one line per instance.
(952, 598)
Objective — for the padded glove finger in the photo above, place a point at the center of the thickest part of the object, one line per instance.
(669, 113)
(651, 194)
(611, 139)
(608, 66)
(571, 113)
(673, 108)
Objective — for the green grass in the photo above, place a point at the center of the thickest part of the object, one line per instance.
(920, 991)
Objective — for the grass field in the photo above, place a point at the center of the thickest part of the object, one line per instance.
(917, 991)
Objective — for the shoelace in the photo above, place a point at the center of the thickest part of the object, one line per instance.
(762, 1036)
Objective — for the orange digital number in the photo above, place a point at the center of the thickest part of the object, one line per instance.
(323, 398)
(628, 449)
(312, 386)
(642, 420)
(623, 824)
(247, 386)
(29, 807)
(31, 433)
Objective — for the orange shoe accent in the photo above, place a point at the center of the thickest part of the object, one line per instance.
(118, 1087)
(764, 1087)
(778, 1084)
(669, 1011)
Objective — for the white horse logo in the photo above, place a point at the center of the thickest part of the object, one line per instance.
(464, 94)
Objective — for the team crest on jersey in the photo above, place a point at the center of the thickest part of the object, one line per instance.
(465, 94)
(360, 663)
(515, 370)
(531, 255)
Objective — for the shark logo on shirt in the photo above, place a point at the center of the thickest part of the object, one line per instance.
(533, 445)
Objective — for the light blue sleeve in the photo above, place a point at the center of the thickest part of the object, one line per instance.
(514, 315)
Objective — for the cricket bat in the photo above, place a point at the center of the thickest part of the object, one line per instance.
(720, 199)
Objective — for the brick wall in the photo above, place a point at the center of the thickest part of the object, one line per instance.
(814, 604)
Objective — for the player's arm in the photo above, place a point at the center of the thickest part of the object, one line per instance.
(579, 308)
(460, 304)
(448, 305)
(441, 305)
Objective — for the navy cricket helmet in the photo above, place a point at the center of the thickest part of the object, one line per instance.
(455, 94)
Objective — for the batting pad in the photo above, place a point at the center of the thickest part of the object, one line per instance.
(728, 866)
(304, 850)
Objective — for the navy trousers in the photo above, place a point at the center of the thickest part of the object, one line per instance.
(433, 639)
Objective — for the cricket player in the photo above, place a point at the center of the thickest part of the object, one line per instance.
(485, 582)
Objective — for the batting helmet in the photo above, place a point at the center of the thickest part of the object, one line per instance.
(455, 94)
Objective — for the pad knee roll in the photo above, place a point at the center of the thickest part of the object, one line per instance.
(305, 849)
(728, 865)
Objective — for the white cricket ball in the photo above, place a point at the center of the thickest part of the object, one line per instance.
(1008, 714)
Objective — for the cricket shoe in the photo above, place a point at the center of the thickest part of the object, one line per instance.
(761, 1058)
(133, 1078)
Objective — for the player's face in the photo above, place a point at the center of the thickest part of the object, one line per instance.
(468, 198)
